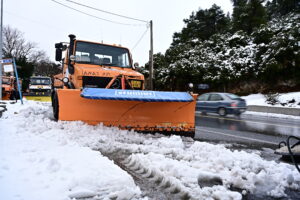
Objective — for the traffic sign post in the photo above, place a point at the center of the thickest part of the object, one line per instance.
(6, 61)
(203, 86)
(18, 83)
(9, 65)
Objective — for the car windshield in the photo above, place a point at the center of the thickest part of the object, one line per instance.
(99, 54)
(232, 96)
(6, 81)
(40, 81)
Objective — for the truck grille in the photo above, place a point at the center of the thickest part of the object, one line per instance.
(39, 92)
(102, 82)
(95, 82)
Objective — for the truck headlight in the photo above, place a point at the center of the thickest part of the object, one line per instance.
(65, 80)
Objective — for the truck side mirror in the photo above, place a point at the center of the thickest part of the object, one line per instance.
(135, 66)
(58, 54)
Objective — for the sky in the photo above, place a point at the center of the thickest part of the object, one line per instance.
(46, 22)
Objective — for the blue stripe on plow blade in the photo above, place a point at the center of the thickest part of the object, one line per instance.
(135, 95)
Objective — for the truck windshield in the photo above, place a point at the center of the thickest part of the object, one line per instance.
(99, 54)
(40, 81)
(6, 81)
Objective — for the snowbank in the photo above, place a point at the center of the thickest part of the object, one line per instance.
(44, 159)
(283, 100)
(39, 160)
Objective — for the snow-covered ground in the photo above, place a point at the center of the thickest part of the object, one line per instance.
(40, 159)
(44, 159)
(284, 100)
(291, 99)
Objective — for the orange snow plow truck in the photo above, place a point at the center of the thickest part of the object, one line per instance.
(8, 88)
(101, 85)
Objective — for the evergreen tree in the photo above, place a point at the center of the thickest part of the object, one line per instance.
(248, 15)
(277, 8)
(257, 14)
(287, 6)
(239, 15)
(203, 24)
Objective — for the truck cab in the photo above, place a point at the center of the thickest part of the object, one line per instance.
(8, 87)
(97, 65)
(40, 86)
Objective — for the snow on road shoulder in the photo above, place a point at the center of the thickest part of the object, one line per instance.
(44, 159)
(272, 115)
(291, 99)
(39, 160)
(186, 167)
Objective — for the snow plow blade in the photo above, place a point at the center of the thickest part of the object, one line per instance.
(139, 110)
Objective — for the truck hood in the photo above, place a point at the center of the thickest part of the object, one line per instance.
(105, 71)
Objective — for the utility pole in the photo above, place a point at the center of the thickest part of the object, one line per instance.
(1, 28)
(151, 57)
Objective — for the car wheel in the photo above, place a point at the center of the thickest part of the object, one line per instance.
(222, 112)
(238, 114)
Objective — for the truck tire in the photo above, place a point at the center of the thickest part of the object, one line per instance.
(52, 97)
(12, 96)
(55, 106)
(191, 134)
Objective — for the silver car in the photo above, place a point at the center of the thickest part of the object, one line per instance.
(221, 103)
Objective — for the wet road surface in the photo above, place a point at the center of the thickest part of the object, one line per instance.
(247, 129)
(249, 133)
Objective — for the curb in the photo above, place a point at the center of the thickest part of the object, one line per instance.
(278, 110)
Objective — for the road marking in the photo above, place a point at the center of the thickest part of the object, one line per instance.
(241, 137)
(238, 120)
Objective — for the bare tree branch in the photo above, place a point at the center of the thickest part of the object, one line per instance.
(14, 44)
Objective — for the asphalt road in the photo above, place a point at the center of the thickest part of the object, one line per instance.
(248, 129)
(250, 133)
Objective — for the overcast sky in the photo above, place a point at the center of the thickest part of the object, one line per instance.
(46, 22)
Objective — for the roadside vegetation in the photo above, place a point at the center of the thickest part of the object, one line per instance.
(256, 49)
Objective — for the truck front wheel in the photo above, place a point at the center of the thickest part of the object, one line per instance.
(55, 106)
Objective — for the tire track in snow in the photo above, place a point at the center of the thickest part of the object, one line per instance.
(153, 184)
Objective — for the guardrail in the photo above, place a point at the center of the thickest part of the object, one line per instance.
(278, 110)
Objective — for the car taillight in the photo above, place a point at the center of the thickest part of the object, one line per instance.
(233, 104)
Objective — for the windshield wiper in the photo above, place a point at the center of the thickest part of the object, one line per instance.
(109, 64)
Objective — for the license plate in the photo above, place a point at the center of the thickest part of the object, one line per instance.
(136, 84)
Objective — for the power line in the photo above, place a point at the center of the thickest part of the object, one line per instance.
(94, 15)
(48, 26)
(111, 13)
(32, 21)
(140, 39)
